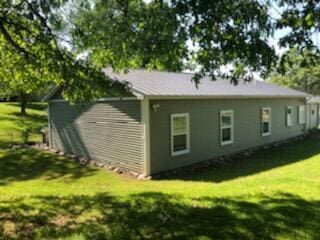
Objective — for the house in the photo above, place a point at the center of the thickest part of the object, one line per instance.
(169, 123)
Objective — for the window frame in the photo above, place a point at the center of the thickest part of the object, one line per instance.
(222, 112)
(187, 133)
(264, 134)
(291, 118)
(299, 115)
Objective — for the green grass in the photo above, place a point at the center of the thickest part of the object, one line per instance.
(13, 125)
(272, 195)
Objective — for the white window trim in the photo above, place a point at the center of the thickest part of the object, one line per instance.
(304, 121)
(270, 117)
(222, 112)
(185, 151)
(287, 123)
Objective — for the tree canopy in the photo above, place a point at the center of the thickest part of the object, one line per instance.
(31, 45)
(20, 78)
(302, 72)
(67, 42)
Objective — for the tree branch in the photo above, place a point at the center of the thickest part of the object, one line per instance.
(11, 41)
(44, 24)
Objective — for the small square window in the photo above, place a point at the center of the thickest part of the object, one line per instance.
(266, 127)
(226, 135)
(179, 143)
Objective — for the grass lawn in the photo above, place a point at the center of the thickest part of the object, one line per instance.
(272, 195)
(13, 125)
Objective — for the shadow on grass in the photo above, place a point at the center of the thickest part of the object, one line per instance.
(28, 164)
(24, 127)
(262, 160)
(40, 106)
(154, 215)
(33, 122)
(31, 119)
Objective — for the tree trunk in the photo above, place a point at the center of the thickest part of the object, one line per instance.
(23, 103)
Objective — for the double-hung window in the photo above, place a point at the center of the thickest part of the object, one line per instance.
(180, 135)
(266, 121)
(226, 127)
(289, 116)
(302, 114)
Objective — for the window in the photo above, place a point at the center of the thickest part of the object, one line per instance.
(266, 121)
(180, 143)
(226, 127)
(289, 116)
(302, 114)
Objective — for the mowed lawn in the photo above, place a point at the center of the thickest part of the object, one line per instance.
(274, 194)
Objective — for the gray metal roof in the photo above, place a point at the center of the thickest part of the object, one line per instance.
(168, 84)
(50, 93)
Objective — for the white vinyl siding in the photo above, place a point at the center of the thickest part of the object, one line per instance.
(265, 121)
(302, 114)
(226, 127)
(180, 136)
(289, 110)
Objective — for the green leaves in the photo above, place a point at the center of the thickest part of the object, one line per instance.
(130, 34)
(299, 70)
(67, 43)
(228, 33)
(309, 19)
(301, 18)
(34, 54)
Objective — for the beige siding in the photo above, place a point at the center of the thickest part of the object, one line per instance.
(109, 131)
(205, 131)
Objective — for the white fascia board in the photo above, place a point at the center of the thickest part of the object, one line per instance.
(50, 94)
(103, 99)
(188, 97)
(138, 94)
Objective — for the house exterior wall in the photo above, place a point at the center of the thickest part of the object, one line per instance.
(204, 117)
(109, 131)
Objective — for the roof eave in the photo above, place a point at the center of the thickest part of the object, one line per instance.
(55, 89)
(50, 94)
(185, 97)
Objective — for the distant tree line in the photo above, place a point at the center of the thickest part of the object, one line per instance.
(302, 72)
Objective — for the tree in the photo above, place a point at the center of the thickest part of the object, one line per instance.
(33, 51)
(302, 72)
(50, 35)
(18, 78)
(155, 34)
(130, 34)
(301, 19)
(126, 34)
